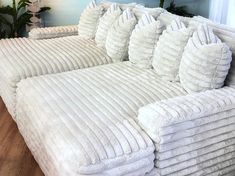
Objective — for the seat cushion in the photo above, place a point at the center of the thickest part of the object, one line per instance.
(22, 58)
(83, 122)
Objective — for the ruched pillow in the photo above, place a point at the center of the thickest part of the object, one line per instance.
(105, 23)
(169, 50)
(89, 20)
(119, 36)
(205, 62)
(143, 41)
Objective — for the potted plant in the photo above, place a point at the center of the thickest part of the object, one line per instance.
(15, 17)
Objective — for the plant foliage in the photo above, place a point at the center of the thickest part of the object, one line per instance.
(14, 18)
(178, 10)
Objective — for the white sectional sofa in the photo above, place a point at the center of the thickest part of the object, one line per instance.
(138, 117)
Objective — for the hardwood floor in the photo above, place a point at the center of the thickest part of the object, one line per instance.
(15, 157)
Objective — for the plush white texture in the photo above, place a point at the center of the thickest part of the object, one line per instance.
(22, 58)
(82, 122)
(105, 23)
(53, 32)
(166, 18)
(169, 50)
(205, 62)
(143, 41)
(193, 134)
(119, 36)
(107, 4)
(227, 35)
(141, 10)
(89, 20)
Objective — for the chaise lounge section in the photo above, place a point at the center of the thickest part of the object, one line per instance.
(94, 110)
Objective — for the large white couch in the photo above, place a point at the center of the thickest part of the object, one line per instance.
(125, 119)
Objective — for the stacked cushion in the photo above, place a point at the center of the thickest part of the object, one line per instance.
(119, 36)
(143, 41)
(169, 50)
(105, 24)
(206, 61)
(89, 20)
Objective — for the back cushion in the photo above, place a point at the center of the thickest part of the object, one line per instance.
(166, 18)
(89, 20)
(107, 4)
(119, 36)
(141, 10)
(205, 62)
(169, 50)
(227, 35)
(143, 41)
(105, 24)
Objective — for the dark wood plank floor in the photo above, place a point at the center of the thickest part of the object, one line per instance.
(15, 157)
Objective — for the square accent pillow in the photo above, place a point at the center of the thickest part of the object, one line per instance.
(105, 23)
(89, 20)
(143, 41)
(205, 62)
(169, 50)
(119, 36)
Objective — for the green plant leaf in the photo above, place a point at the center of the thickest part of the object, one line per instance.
(22, 21)
(44, 9)
(180, 10)
(7, 10)
(22, 4)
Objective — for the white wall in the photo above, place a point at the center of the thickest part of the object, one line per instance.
(65, 12)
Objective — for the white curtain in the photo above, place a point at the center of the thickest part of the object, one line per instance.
(223, 11)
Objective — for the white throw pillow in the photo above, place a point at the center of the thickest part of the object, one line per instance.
(119, 36)
(140, 10)
(89, 20)
(205, 62)
(105, 23)
(143, 41)
(169, 50)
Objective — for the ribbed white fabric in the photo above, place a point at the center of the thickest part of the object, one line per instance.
(22, 58)
(166, 18)
(141, 10)
(82, 122)
(169, 50)
(143, 41)
(105, 23)
(119, 36)
(227, 35)
(89, 20)
(53, 32)
(193, 134)
(205, 62)
(107, 4)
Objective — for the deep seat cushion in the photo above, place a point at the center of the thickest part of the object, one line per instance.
(83, 122)
(22, 58)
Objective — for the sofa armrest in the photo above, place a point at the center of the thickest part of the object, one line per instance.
(193, 133)
(53, 32)
(165, 113)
